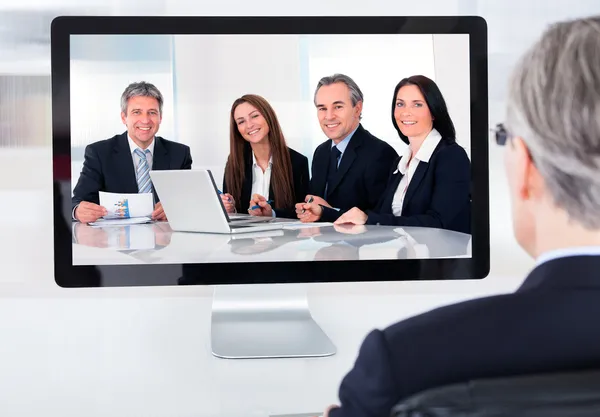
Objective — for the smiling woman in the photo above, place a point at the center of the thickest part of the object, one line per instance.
(429, 185)
(261, 169)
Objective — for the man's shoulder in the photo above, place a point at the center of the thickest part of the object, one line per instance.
(324, 146)
(106, 143)
(171, 145)
(296, 156)
(373, 142)
(471, 316)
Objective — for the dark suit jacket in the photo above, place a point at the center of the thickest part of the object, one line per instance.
(300, 177)
(439, 193)
(361, 175)
(548, 325)
(108, 166)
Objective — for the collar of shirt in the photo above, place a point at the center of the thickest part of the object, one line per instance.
(344, 143)
(567, 252)
(424, 153)
(254, 164)
(133, 146)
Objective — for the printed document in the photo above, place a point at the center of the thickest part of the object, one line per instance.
(127, 206)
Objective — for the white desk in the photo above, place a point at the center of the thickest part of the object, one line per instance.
(132, 356)
(157, 243)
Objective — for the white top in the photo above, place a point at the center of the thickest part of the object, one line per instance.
(136, 158)
(261, 180)
(423, 155)
(567, 252)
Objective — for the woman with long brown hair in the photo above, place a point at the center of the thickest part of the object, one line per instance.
(263, 176)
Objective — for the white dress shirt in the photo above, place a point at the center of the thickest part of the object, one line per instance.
(136, 159)
(261, 181)
(567, 252)
(407, 169)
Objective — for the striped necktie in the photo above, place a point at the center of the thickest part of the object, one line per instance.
(143, 172)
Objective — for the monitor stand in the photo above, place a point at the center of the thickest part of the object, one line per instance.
(265, 321)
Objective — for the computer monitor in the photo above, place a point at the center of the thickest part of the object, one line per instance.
(202, 65)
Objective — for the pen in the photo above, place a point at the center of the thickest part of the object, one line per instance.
(221, 192)
(257, 206)
(310, 200)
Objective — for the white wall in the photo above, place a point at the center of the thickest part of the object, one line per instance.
(210, 72)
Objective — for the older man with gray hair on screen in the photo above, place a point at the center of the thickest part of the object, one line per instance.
(550, 324)
(122, 164)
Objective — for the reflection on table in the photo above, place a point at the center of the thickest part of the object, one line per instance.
(158, 243)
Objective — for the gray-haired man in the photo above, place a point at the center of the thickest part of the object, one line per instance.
(552, 159)
(121, 164)
(351, 168)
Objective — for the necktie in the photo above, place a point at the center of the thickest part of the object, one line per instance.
(333, 167)
(143, 172)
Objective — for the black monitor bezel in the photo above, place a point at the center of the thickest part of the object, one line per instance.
(476, 267)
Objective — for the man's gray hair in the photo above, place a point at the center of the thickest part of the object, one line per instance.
(554, 105)
(355, 94)
(141, 89)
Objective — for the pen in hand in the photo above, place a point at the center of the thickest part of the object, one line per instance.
(310, 200)
(257, 206)
(221, 192)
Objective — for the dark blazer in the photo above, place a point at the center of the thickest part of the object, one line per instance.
(547, 325)
(300, 177)
(361, 176)
(439, 193)
(108, 166)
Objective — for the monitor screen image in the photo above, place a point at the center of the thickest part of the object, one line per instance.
(272, 150)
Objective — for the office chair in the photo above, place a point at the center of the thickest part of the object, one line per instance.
(568, 394)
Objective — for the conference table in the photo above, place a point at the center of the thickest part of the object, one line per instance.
(157, 243)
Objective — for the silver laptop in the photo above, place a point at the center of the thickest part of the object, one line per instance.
(192, 203)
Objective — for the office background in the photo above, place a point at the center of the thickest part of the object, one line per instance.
(201, 75)
(144, 351)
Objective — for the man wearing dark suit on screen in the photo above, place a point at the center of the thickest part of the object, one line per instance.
(351, 168)
(549, 324)
(117, 164)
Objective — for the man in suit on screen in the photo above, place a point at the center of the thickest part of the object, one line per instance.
(122, 163)
(351, 168)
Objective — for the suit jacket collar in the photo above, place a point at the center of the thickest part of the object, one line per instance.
(123, 163)
(348, 158)
(123, 160)
(573, 272)
(160, 158)
(418, 176)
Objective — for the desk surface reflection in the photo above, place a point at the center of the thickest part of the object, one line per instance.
(157, 243)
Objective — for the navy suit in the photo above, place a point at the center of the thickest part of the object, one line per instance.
(300, 178)
(548, 325)
(438, 195)
(108, 166)
(361, 176)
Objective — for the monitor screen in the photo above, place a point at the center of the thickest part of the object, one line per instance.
(255, 106)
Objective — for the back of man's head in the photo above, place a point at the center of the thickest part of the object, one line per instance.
(554, 108)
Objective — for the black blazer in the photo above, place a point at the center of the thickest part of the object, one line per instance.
(361, 176)
(548, 325)
(300, 177)
(108, 166)
(439, 194)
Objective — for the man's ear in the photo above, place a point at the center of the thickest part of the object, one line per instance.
(528, 181)
(123, 118)
(358, 108)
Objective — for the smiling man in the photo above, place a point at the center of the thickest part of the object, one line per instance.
(350, 168)
(122, 163)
